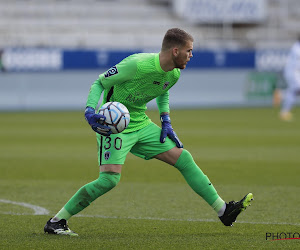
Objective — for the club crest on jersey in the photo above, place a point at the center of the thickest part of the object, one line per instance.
(112, 71)
(166, 84)
(107, 155)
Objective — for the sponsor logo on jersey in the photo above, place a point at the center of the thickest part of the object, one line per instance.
(107, 155)
(112, 71)
(139, 97)
(156, 82)
(166, 85)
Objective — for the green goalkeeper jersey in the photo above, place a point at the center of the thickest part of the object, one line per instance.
(135, 81)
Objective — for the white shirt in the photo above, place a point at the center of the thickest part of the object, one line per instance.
(292, 66)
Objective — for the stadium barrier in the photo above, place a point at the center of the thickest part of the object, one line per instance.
(55, 79)
(47, 59)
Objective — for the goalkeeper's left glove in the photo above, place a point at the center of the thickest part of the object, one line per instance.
(167, 130)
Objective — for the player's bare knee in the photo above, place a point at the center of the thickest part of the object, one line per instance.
(170, 156)
(114, 168)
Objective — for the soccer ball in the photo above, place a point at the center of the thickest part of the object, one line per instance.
(117, 116)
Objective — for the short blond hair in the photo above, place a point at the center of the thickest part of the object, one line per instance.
(175, 37)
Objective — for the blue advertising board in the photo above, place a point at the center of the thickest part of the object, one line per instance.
(47, 59)
(91, 59)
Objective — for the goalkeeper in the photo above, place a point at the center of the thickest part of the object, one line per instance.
(135, 81)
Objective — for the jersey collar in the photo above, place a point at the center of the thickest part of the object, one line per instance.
(157, 64)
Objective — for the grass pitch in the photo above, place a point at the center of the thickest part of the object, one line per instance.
(46, 157)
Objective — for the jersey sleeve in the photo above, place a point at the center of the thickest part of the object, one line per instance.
(120, 73)
(94, 94)
(162, 102)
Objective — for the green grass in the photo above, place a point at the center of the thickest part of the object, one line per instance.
(45, 157)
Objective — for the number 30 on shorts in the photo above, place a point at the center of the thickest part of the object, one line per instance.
(109, 142)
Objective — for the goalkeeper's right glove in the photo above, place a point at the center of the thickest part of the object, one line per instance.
(96, 121)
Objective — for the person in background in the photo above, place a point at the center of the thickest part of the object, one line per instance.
(292, 77)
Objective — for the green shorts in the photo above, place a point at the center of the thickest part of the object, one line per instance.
(143, 143)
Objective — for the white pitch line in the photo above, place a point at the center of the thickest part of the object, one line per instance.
(36, 209)
(192, 220)
(43, 211)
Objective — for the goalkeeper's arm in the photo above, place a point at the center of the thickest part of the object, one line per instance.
(95, 120)
(167, 130)
(94, 94)
(162, 102)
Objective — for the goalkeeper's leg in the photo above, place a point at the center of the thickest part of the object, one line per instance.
(81, 199)
(199, 182)
(90, 192)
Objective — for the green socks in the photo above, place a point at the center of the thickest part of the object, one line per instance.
(87, 194)
(198, 181)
